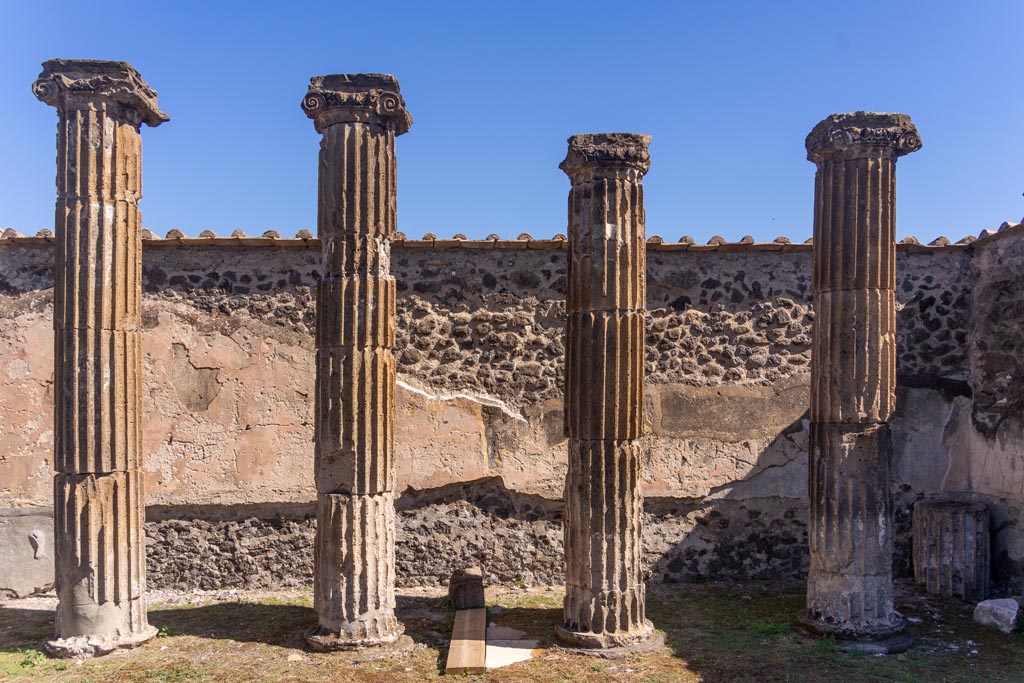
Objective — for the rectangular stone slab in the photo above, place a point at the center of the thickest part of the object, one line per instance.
(468, 651)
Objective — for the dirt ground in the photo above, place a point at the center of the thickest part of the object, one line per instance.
(716, 633)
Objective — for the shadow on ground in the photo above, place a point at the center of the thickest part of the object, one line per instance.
(24, 629)
(740, 633)
(285, 625)
(715, 633)
(276, 623)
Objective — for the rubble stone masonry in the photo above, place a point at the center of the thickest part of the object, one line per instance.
(228, 390)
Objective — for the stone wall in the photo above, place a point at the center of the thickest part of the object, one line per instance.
(481, 456)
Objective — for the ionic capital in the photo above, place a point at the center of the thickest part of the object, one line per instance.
(356, 98)
(862, 134)
(607, 153)
(117, 87)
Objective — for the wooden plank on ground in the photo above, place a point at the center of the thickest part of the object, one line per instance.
(468, 651)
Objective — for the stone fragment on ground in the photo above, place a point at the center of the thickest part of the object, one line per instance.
(1000, 614)
(466, 589)
(507, 646)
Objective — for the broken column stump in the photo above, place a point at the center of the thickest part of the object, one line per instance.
(951, 548)
(99, 544)
(359, 117)
(466, 589)
(604, 392)
(853, 379)
(467, 653)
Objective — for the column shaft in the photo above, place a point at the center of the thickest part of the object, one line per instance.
(853, 374)
(604, 402)
(603, 513)
(101, 548)
(604, 369)
(855, 239)
(358, 533)
(853, 356)
(851, 528)
(97, 400)
(98, 489)
(359, 117)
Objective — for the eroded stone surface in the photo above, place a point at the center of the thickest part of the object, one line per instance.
(849, 587)
(604, 391)
(99, 544)
(226, 478)
(26, 565)
(998, 349)
(853, 373)
(1000, 614)
(100, 551)
(466, 589)
(354, 571)
(359, 116)
(853, 367)
(98, 84)
(951, 548)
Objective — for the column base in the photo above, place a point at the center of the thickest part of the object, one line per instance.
(78, 647)
(877, 641)
(610, 645)
(321, 639)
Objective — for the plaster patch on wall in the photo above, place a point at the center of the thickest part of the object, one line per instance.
(196, 386)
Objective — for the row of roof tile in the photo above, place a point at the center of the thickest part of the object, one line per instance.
(717, 240)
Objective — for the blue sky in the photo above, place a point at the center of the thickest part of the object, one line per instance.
(727, 90)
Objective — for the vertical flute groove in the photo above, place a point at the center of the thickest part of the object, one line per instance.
(604, 408)
(358, 117)
(852, 398)
(951, 548)
(98, 497)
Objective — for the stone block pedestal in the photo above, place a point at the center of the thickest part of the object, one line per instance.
(951, 548)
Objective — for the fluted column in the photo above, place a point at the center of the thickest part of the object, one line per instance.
(98, 497)
(853, 377)
(359, 116)
(952, 548)
(604, 384)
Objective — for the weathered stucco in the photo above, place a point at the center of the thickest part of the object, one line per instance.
(228, 381)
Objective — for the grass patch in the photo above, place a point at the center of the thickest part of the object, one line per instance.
(31, 658)
(715, 633)
(177, 673)
(777, 626)
(827, 646)
(528, 599)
